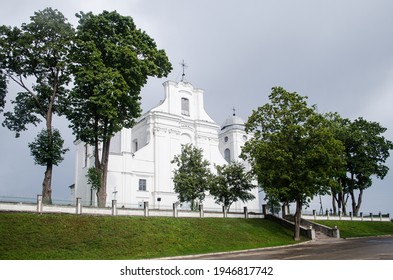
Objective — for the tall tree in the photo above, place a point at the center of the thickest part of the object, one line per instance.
(192, 176)
(232, 183)
(366, 151)
(3, 90)
(113, 60)
(37, 53)
(293, 152)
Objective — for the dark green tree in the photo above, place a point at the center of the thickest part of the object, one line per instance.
(37, 54)
(232, 183)
(366, 151)
(293, 152)
(47, 148)
(112, 62)
(192, 176)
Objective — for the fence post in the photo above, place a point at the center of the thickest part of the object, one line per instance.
(336, 232)
(175, 213)
(327, 215)
(39, 203)
(245, 212)
(314, 213)
(351, 215)
(78, 206)
(380, 216)
(114, 207)
(311, 233)
(146, 208)
(201, 212)
(361, 216)
(371, 216)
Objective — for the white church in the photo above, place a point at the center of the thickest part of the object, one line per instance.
(140, 166)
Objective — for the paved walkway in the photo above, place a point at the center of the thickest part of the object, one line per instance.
(371, 248)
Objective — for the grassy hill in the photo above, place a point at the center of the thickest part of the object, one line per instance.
(56, 236)
(360, 229)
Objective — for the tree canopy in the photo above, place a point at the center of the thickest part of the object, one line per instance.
(191, 176)
(232, 183)
(112, 61)
(366, 150)
(37, 53)
(293, 152)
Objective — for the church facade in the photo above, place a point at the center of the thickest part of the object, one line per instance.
(140, 166)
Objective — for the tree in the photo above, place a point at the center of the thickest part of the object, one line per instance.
(3, 90)
(47, 148)
(37, 53)
(293, 152)
(192, 177)
(112, 61)
(232, 183)
(366, 151)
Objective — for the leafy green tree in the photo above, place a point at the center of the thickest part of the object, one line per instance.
(192, 176)
(366, 151)
(293, 152)
(232, 183)
(112, 60)
(48, 149)
(37, 54)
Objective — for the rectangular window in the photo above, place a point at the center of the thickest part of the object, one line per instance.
(185, 106)
(142, 184)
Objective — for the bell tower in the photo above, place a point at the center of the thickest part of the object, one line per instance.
(232, 137)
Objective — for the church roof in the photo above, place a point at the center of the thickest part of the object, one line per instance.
(233, 122)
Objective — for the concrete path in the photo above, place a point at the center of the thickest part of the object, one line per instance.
(371, 248)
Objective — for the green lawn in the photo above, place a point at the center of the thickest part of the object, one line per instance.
(360, 229)
(59, 236)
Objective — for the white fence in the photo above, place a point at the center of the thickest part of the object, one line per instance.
(368, 218)
(78, 209)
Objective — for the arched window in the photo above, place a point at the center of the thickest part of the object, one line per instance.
(227, 155)
(185, 106)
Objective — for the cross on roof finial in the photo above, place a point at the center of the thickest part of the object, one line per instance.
(184, 66)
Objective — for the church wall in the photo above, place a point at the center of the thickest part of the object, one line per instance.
(141, 157)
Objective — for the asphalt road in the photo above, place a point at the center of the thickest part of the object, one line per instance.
(372, 248)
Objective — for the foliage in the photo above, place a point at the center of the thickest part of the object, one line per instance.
(93, 178)
(29, 236)
(232, 183)
(293, 152)
(37, 51)
(48, 149)
(112, 61)
(192, 177)
(37, 54)
(366, 150)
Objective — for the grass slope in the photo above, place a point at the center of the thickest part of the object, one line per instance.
(62, 237)
(360, 229)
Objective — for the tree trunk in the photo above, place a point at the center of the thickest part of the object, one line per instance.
(46, 185)
(334, 199)
(103, 168)
(356, 206)
(298, 216)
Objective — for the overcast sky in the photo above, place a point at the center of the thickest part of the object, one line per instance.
(338, 53)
